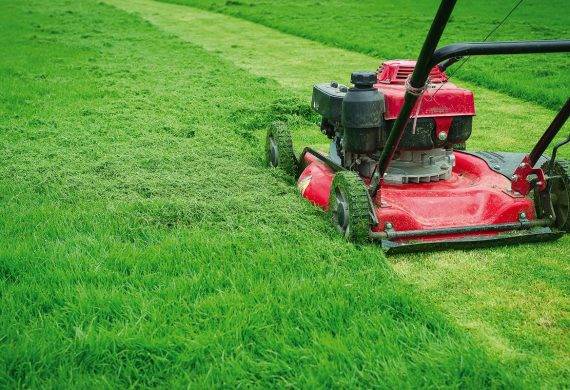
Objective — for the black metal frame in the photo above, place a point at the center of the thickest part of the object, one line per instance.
(549, 135)
(555, 151)
(450, 54)
(334, 166)
(538, 234)
(523, 224)
(445, 56)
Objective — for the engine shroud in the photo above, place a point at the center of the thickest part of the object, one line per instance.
(441, 122)
(443, 114)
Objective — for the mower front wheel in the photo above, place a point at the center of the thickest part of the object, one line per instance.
(349, 207)
(279, 148)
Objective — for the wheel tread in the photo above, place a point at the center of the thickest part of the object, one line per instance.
(358, 204)
(282, 136)
(561, 168)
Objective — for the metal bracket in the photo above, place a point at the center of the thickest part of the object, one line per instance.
(519, 182)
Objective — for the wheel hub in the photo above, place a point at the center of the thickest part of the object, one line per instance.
(341, 211)
(341, 215)
(273, 152)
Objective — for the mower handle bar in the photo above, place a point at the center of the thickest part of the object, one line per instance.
(450, 54)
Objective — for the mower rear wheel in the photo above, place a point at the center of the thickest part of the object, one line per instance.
(349, 206)
(279, 148)
(559, 189)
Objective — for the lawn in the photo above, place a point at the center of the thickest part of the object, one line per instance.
(144, 243)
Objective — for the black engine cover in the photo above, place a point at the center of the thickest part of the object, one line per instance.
(362, 117)
(327, 101)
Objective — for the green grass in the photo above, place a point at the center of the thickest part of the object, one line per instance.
(396, 29)
(521, 312)
(537, 351)
(144, 243)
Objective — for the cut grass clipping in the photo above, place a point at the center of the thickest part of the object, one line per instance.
(144, 243)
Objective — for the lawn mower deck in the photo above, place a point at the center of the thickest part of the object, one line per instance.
(475, 206)
(397, 170)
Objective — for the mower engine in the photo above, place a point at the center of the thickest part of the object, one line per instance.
(358, 120)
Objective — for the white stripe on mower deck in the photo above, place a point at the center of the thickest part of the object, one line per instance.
(297, 63)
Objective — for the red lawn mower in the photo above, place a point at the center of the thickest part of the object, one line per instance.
(397, 170)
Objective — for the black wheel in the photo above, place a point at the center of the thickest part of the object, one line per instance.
(279, 148)
(349, 206)
(559, 189)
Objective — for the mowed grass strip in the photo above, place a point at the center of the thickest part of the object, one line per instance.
(396, 29)
(516, 300)
(513, 300)
(144, 243)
